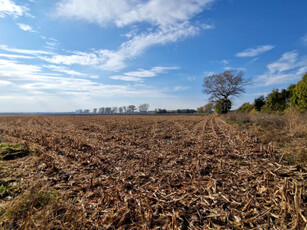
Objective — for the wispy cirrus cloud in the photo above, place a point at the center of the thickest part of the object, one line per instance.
(253, 52)
(115, 60)
(289, 67)
(63, 69)
(142, 73)
(15, 56)
(10, 8)
(25, 51)
(167, 22)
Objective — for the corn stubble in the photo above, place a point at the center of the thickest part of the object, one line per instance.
(152, 172)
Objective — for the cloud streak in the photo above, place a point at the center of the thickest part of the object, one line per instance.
(253, 52)
(25, 51)
(141, 73)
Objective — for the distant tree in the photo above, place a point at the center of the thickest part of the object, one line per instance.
(259, 102)
(208, 108)
(101, 110)
(120, 109)
(94, 110)
(245, 108)
(143, 108)
(160, 110)
(223, 86)
(201, 109)
(125, 109)
(277, 101)
(299, 94)
(108, 110)
(114, 109)
(86, 111)
(222, 106)
(131, 109)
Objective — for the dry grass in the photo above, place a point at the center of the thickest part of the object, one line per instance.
(38, 207)
(287, 133)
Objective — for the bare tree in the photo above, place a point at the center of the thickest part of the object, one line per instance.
(143, 108)
(95, 110)
(114, 109)
(131, 108)
(224, 85)
(208, 108)
(101, 110)
(120, 109)
(108, 110)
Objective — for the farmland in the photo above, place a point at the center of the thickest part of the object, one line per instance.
(120, 172)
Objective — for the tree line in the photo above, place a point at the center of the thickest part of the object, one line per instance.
(279, 101)
(223, 87)
(130, 109)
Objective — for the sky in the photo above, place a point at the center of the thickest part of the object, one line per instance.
(64, 55)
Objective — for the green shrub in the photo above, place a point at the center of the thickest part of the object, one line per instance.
(222, 106)
(245, 108)
(299, 95)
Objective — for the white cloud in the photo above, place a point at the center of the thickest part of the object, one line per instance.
(167, 21)
(25, 51)
(51, 43)
(141, 73)
(80, 58)
(33, 78)
(163, 35)
(8, 7)
(25, 27)
(15, 56)
(150, 73)
(224, 62)
(286, 62)
(5, 83)
(252, 52)
(301, 71)
(38, 88)
(304, 39)
(12, 69)
(125, 12)
(179, 88)
(126, 78)
(63, 69)
(162, 69)
(289, 67)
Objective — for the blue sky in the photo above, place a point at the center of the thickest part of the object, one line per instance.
(63, 55)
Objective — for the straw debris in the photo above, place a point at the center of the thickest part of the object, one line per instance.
(149, 172)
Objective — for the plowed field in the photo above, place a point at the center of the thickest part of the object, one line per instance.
(152, 172)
